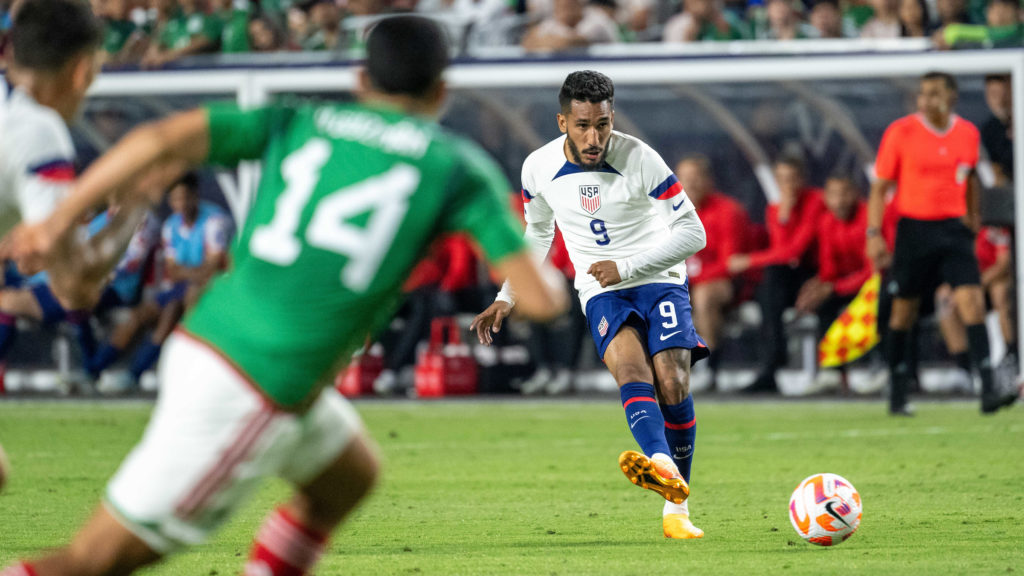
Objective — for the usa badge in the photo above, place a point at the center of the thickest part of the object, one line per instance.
(590, 197)
(602, 327)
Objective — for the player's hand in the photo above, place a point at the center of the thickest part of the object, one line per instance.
(30, 246)
(488, 322)
(4, 467)
(878, 253)
(738, 263)
(606, 272)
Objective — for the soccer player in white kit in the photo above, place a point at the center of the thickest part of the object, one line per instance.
(628, 224)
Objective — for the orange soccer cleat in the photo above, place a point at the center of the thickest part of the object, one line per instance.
(679, 526)
(657, 474)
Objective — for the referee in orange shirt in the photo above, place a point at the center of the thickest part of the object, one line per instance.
(931, 157)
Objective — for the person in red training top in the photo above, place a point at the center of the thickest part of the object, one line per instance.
(931, 157)
(788, 262)
(712, 287)
(842, 265)
(994, 261)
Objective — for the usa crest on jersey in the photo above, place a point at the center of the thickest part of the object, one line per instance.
(590, 197)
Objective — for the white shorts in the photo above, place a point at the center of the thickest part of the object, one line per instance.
(211, 439)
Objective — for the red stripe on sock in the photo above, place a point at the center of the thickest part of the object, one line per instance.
(639, 399)
(686, 426)
(22, 569)
(285, 547)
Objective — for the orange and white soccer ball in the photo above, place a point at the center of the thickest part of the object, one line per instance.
(825, 509)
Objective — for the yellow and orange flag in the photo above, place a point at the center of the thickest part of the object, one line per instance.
(855, 332)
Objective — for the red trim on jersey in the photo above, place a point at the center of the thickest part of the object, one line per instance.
(686, 426)
(221, 471)
(672, 192)
(55, 171)
(638, 399)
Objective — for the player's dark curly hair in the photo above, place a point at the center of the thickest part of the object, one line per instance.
(47, 34)
(586, 86)
(406, 55)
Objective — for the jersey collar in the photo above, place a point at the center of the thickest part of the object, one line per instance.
(570, 168)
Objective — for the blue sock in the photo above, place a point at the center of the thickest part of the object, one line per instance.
(83, 330)
(681, 433)
(645, 419)
(145, 357)
(106, 356)
(8, 332)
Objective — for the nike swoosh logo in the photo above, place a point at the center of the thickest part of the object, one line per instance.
(834, 514)
(631, 426)
(667, 336)
(677, 206)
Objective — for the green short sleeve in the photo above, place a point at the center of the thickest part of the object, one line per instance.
(237, 134)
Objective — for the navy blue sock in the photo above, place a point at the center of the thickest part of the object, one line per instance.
(681, 433)
(644, 417)
(83, 331)
(145, 357)
(102, 360)
(8, 332)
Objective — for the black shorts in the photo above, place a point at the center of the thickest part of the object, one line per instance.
(932, 252)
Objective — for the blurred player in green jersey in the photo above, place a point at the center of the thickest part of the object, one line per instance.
(350, 198)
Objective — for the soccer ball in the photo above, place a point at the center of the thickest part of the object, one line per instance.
(825, 509)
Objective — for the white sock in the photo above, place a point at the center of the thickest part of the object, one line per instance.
(673, 508)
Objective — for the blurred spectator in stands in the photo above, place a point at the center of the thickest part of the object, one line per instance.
(234, 18)
(324, 27)
(856, 14)
(599, 21)
(712, 288)
(180, 31)
(914, 21)
(788, 262)
(886, 21)
(701, 20)
(997, 131)
(563, 30)
(951, 11)
(992, 247)
(123, 40)
(637, 20)
(843, 266)
(785, 21)
(356, 21)
(194, 240)
(297, 25)
(1003, 28)
(826, 19)
(265, 36)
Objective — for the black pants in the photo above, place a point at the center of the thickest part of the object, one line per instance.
(778, 291)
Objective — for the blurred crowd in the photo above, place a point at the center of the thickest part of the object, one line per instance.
(152, 33)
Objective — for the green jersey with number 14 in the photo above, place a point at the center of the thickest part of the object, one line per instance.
(350, 198)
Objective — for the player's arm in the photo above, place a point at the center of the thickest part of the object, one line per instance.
(973, 217)
(877, 250)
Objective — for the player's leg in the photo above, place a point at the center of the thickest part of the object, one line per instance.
(15, 303)
(960, 269)
(1001, 295)
(672, 374)
(149, 349)
(710, 300)
(102, 547)
(952, 328)
(902, 318)
(141, 316)
(333, 465)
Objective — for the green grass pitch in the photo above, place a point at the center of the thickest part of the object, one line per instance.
(532, 488)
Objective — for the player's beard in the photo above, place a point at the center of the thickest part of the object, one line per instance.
(578, 158)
